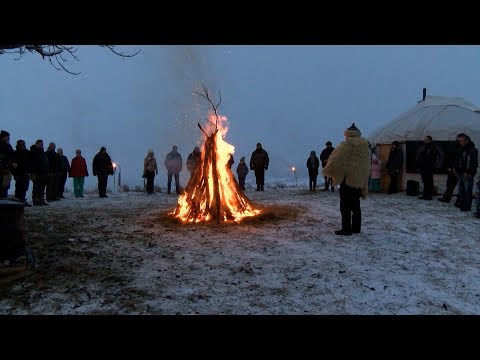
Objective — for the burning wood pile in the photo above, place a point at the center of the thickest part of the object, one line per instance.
(213, 194)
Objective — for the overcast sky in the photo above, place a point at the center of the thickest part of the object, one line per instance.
(292, 99)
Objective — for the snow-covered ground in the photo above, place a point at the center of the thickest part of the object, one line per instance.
(123, 255)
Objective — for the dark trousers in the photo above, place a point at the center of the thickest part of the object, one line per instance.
(328, 182)
(452, 181)
(392, 188)
(350, 208)
(427, 179)
(177, 182)
(465, 189)
(102, 184)
(260, 176)
(312, 182)
(62, 179)
(150, 183)
(38, 188)
(21, 186)
(52, 187)
(241, 182)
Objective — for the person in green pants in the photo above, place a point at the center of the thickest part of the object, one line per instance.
(78, 171)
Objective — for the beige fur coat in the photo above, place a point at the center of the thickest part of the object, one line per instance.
(350, 161)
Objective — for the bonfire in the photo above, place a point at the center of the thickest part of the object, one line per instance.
(213, 194)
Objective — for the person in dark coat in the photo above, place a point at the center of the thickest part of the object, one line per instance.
(259, 163)
(324, 155)
(64, 170)
(173, 163)
(452, 179)
(242, 171)
(22, 173)
(39, 168)
(230, 161)
(102, 167)
(426, 165)
(313, 164)
(6, 163)
(53, 173)
(466, 167)
(193, 161)
(394, 166)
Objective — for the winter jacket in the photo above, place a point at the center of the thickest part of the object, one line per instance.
(23, 160)
(102, 165)
(427, 160)
(173, 162)
(259, 160)
(350, 163)
(395, 161)
(150, 165)
(6, 155)
(376, 170)
(312, 165)
(64, 164)
(325, 155)
(39, 161)
(54, 161)
(78, 167)
(242, 170)
(193, 161)
(466, 160)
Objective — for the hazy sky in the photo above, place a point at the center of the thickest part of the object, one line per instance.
(292, 99)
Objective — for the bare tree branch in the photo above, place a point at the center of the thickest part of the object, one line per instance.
(206, 96)
(111, 48)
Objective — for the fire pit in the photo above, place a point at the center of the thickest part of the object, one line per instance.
(213, 194)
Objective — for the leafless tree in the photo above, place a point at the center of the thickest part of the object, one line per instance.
(57, 55)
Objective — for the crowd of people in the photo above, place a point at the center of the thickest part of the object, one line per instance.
(352, 164)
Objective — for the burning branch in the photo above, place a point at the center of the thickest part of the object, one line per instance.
(206, 96)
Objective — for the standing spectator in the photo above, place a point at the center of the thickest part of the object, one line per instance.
(477, 197)
(6, 163)
(242, 171)
(376, 174)
(312, 165)
(193, 161)
(150, 170)
(230, 161)
(53, 173)
(466, 168)
(394, 166)
(325, 154)
(426, 164)
(173, 163)
(259, 163)
(452, 179)
(349, 165)
(38, 173)
(102, 167)
(22, 172)
(64, 170)
(78, 171)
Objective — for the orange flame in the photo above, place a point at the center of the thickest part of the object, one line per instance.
(213, 185)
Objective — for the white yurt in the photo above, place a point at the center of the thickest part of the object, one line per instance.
(443, 118)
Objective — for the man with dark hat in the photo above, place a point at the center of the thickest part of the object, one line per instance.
(259, 163)
(325, 154)
(349, 165)
(102, 167)
(312, 165)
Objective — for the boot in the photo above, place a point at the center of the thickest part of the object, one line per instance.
(261, 188)
(258, 188)
(442, 199)
(343, 232)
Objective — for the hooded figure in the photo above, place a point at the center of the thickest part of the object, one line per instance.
(313, 163)
(150, 170)
(349, 165)
(102, 167)
(173, 163)
(193, 160)
(242, 171)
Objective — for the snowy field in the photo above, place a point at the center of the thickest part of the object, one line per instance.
(123, 255)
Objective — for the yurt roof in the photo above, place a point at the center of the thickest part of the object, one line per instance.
(438, 116)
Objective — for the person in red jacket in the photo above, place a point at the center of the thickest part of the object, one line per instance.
(78, 171)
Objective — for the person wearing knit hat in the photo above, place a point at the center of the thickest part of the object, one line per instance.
(349, 165)
(150, 170)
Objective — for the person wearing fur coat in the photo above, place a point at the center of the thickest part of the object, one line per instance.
(350, 166)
